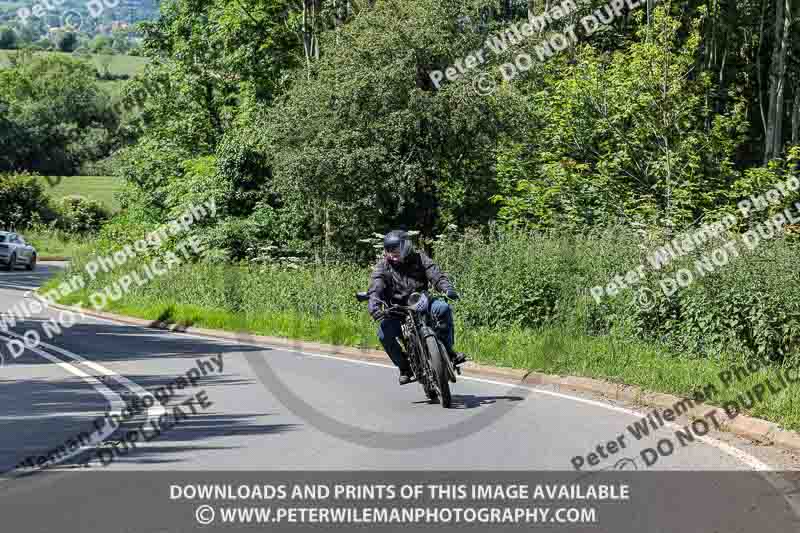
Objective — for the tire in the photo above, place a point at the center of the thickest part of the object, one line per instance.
(416, 345)
(12, 262)
(439, 366)
(431, 393)
(32, 264)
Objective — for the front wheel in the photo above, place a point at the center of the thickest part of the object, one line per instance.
(32, 263)
(12, 262)
(439, 366)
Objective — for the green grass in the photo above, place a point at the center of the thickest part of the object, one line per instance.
(49, 242)
(524, 305)
(117, 64)
(99, 188)
(203, 296)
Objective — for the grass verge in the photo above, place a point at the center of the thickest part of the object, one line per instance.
(56, 243)
(553, 350)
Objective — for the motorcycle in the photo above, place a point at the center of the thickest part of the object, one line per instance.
(427, 355)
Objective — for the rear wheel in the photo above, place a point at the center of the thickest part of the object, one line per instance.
(439, 366)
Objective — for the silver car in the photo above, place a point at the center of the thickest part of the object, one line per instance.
(14, 251)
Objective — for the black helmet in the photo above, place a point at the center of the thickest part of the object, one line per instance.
(398, 240)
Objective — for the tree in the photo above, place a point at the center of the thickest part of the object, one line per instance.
(370, 142)
(101, 44)
(105, 64)
(66, 41)
(55, 114)
(120, 41)
(784, 13)
(8, 38)
(626, 137)
(213, 67)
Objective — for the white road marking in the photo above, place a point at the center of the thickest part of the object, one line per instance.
(740, 455)
(115, 402)
(153, 412)
(734, 452)
(767, 472)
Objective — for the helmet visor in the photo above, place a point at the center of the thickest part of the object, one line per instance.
(393, 253)
(397, 246)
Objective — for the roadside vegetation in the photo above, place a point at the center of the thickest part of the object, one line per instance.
(56, 228)
(315, 126)
(51, 242)
(102, 189)
(520, 309)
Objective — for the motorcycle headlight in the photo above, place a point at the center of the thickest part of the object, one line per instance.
(421, 303)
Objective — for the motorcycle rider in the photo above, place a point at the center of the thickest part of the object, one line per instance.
(401, 272)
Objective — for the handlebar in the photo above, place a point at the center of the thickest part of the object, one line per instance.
(395, 308)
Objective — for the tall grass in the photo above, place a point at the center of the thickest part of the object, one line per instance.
(525, 304)
(55, 242)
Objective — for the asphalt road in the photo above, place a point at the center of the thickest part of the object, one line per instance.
(260, 409)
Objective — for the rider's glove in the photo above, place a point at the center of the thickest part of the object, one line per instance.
(422, 304)
(452, 294)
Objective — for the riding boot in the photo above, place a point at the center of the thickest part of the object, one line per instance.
(405, 376)
(457, 358)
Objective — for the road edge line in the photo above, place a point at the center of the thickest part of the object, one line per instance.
(762, 431)
(115, 402)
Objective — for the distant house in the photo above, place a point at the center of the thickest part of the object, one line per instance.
(52, 33)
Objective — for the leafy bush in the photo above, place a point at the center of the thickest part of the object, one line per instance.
(22, 201)
(514, 280)
(53, 115)
(8, 38)
(748, 307)
(531, 280)
(81, 215)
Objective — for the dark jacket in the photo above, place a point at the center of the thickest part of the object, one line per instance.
(394, 284)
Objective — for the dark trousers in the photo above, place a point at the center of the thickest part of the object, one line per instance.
(389, 331)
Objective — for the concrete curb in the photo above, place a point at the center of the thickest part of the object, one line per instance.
(755, 429)
(52, 258)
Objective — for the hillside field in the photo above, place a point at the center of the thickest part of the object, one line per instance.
(100, 188)
(118, 64)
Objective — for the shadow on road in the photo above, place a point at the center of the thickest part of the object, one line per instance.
(36, 411)
(184, 441)
(23, 280)
(65, 407)
(107, 342)
(39, 416)
(469, 401)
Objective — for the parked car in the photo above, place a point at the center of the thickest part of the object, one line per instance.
(14, 251)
